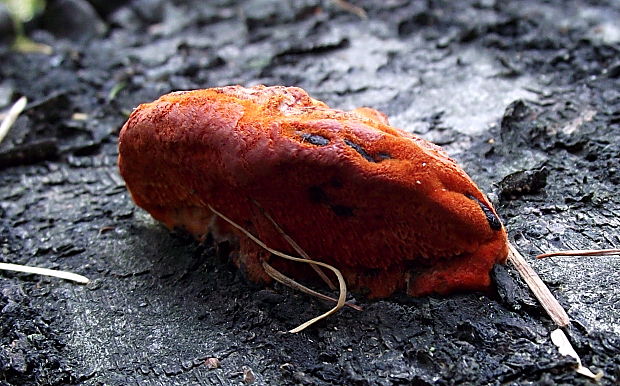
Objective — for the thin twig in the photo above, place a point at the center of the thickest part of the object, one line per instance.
(342, 285)
(287, 281)
(296, 247)
(581, 252)
(11, 116)
(45, 271)
(538, 287)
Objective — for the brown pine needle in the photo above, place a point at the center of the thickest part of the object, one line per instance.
(44, 271)
(581, 252)
(342, 285)
(538, 287)
(287, 281)
(296, 247)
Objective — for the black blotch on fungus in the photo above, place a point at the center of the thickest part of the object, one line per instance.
(318, 195)
(383, 156)
(493, 220)
(315, 139)
(335, 183)
(342, 210)
(360, 150)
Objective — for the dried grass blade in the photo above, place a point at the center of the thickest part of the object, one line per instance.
(11, 116)
(565, 348)
(354, 9)
(296, 247)
(538, 287)
(581, 252)
(342, 285)
(287, 281)
(44, 271)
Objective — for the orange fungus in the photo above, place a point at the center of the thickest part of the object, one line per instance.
(390, 210)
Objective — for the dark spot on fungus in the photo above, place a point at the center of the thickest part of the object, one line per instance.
(336, 183)
(360, 150)
(493, 220)
(342, 210)
(315, 139)
(383, 156)
(318, 195)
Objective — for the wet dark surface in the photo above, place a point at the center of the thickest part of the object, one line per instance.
(526, 95)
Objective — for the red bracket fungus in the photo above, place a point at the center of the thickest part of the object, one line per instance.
(388, 209)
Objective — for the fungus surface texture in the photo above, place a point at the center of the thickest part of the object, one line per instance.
(390, 210)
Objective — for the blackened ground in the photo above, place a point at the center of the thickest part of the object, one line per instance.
(525, 94)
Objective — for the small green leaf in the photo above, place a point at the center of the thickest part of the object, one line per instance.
(24, 10)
